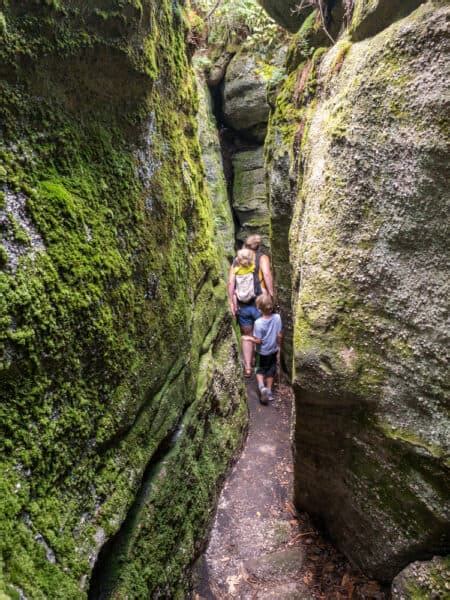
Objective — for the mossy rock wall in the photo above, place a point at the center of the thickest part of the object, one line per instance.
(370, 281)
(214, 169)
(250, 84)
(112, 301)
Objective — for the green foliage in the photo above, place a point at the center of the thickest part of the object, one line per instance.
(234, 21)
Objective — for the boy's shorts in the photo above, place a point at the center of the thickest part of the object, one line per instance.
(247, 314)
(267, 365)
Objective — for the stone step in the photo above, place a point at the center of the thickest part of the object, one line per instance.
(281, 566)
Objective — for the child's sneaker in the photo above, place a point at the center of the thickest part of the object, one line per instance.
(264, 395)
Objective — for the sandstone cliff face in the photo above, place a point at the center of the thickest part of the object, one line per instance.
(245, 106)
(117, 362)
(358, 150)
(249, 194)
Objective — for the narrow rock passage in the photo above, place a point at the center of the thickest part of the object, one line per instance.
(260, 548)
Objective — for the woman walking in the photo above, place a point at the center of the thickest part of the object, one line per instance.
(250, 275)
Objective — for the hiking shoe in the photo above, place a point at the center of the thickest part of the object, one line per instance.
(264, 396)
(270, 396)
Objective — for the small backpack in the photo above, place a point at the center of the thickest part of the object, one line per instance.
(248, 284)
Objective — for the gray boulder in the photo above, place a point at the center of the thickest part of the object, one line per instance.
(245, 106)
(428, 580)
(370, 17)
(284, 12)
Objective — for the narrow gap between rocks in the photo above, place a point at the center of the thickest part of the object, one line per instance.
(260, 547)
(231, 143)
(107, 566)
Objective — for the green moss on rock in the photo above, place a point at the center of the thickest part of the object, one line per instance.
(100, 344)
(249, 198)
(423, 580)
(212, 160)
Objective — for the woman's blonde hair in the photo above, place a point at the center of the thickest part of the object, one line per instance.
(245, 257)
(264, 304)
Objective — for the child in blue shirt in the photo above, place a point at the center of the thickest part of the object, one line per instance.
(267, 334)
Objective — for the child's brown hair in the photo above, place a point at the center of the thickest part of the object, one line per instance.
(264, 304)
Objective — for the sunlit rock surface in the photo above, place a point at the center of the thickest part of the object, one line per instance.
(361, 130)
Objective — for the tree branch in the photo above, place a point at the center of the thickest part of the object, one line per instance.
(213, 10)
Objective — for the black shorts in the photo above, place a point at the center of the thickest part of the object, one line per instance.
(267, 365)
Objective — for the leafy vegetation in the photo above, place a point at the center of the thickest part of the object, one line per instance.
(233, 21)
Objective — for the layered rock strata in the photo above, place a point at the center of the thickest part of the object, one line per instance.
(121, 405)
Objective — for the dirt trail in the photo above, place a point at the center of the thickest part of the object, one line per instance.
(260, 548)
